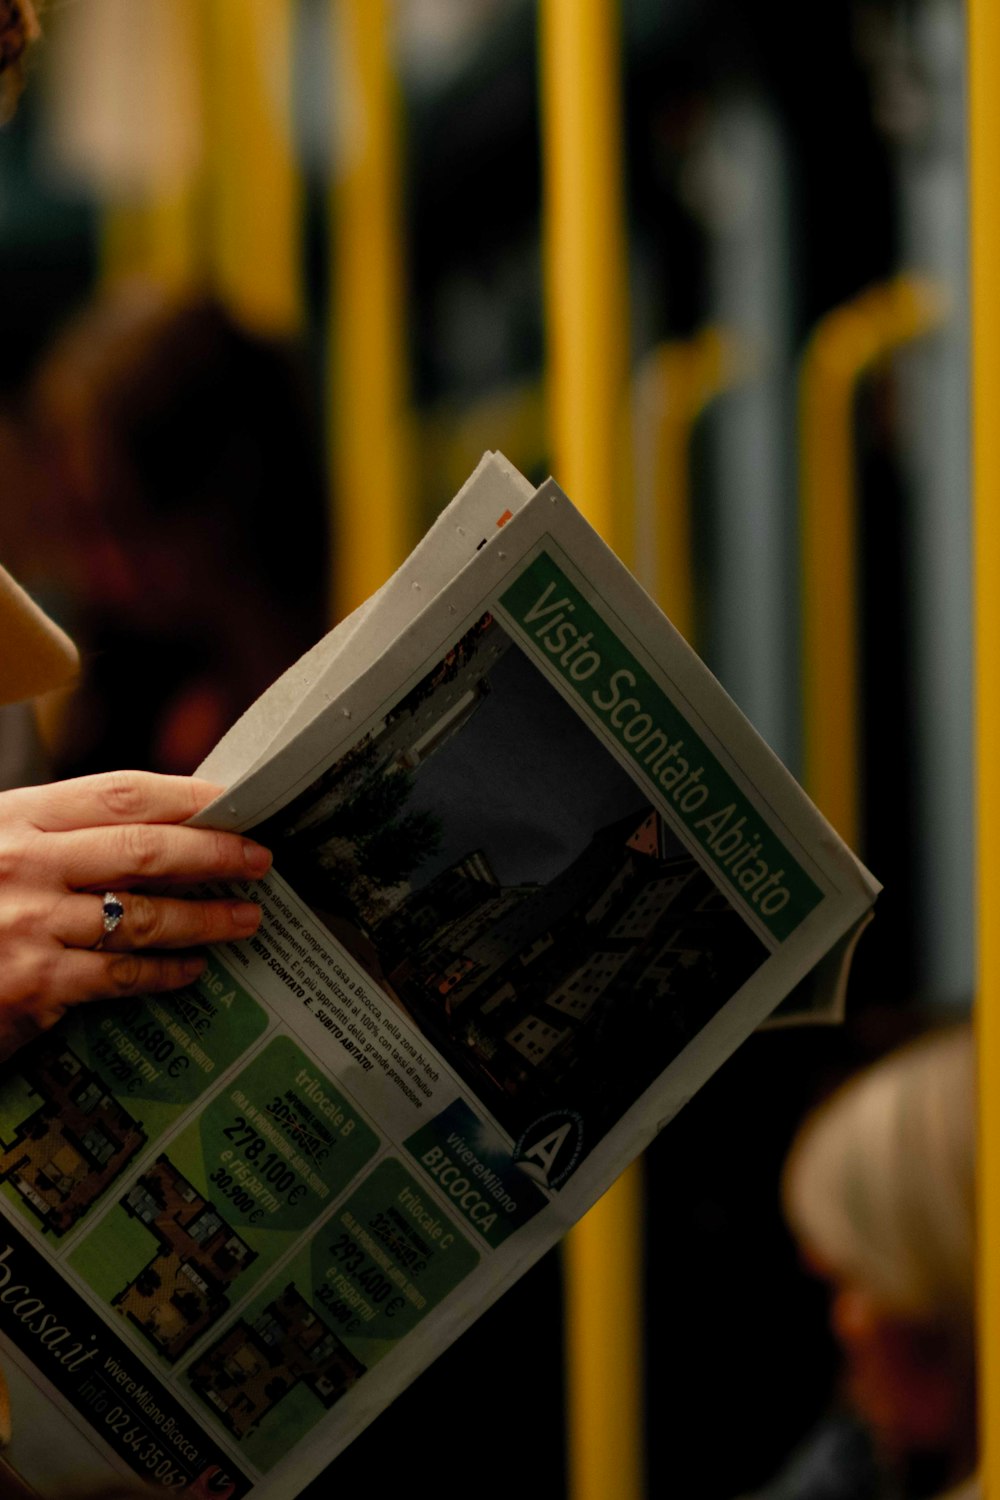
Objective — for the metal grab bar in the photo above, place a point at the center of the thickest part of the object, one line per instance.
(846, 344)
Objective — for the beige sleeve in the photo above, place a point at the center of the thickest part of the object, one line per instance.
(35, 654)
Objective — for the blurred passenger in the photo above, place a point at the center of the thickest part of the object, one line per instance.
(179, 479)
(61, 940)
(879, 1191)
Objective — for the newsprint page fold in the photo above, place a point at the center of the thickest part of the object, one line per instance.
(535, 878)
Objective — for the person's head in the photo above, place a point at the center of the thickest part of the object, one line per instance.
(176, 478)
(179, 447)
(18, 29)
(879, 1190)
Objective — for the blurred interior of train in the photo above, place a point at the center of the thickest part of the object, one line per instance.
(183, 285)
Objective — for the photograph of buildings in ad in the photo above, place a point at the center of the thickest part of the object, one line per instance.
(498, 873)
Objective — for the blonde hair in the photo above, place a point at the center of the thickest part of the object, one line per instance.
(880, 1184)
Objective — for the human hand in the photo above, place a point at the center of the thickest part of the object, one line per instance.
(63, 846)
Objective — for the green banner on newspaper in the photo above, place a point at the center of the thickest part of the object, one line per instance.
(620, 696)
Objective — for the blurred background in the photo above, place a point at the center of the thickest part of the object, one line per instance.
(273, 273)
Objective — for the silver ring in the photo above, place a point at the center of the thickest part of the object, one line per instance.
(112, 912)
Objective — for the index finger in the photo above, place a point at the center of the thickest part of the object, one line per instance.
(112, 797)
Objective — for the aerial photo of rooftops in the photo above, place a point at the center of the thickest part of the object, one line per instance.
(498, 873)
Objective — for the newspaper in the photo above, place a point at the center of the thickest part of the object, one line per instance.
(535, 878)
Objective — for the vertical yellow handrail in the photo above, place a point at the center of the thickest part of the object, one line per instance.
(253, 201)
(587, 321)
(984, 157)
(586, 293)
(846, 344)
(370, 430)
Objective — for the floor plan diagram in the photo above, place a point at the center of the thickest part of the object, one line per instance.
(248, 1371)
(183, 1289)
(70, 1149)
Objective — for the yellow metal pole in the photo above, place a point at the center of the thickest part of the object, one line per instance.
(370, 421)
(585, 266)
(605, 1368)
(586, 307)
(984, 126)
(253, 188)
(844, 346)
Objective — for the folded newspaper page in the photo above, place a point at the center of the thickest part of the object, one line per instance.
(535, 878)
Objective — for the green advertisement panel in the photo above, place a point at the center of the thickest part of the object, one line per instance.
(229, 1196)
(385, 1260)
(159, 1054)
(80, 1104)
(484, 1185)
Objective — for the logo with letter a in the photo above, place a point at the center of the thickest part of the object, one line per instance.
(550, 1148)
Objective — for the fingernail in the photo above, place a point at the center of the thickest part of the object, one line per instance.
(257, 857)
(246, 915)
(193, 967)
